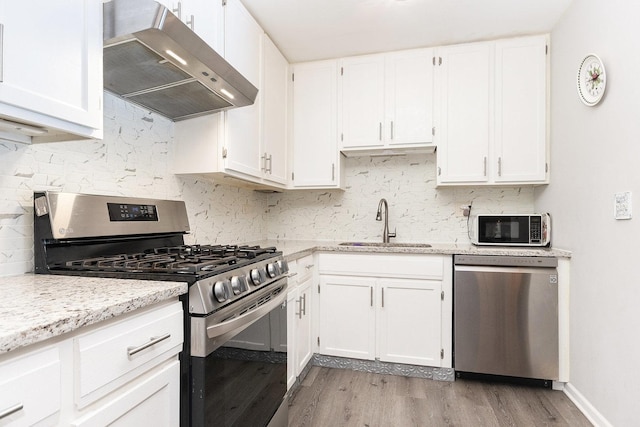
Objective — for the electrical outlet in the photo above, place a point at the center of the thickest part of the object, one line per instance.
(622, 205)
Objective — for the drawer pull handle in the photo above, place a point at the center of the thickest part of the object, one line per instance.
(154, 340)
(309, 266)
(11, 410)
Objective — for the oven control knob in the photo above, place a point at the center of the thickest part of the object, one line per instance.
(284, 266)
(273, 270)
(221, 290)
(239, 284)
(258, 276)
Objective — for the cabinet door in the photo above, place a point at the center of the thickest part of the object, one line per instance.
(30, 389)
(56, 70)
(243, 41)
(362, 101)
(465, 86)
(409, 321)
(151, 401)
(314, 125)
(409, 97)
(206, 19)
(291, 336)
(303, 326)
(347, 317)
(521, 110)
(275, 73)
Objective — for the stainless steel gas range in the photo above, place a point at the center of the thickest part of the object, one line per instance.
(233, 367)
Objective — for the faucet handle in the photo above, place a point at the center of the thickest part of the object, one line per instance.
(392, 234)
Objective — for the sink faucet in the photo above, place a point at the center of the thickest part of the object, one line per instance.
(385, 233)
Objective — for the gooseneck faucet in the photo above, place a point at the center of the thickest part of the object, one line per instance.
(385, 233)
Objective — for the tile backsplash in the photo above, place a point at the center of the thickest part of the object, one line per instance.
(134, 159)
(418, 211)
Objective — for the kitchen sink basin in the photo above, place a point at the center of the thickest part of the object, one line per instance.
(386, 245)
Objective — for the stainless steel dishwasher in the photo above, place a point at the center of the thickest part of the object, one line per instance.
(505, 318)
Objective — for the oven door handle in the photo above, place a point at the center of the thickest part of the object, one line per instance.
(214, 331)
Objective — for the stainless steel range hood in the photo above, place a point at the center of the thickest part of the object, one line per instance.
(153, 59)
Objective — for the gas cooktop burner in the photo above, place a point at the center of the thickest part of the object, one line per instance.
(190, 259)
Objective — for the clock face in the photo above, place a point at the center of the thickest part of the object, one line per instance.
(592, 80)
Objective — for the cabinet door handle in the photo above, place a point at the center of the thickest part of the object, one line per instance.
(333, 171)
(382, 297)
(380, 132)
(263, 168)
(270, 160)
(11, 410)
(304, 304)
(178, 10)
(191, 23)
(371, 296)
(299, 313)
(485, 166)
(392, 129)
(309, 266)
(154, 340)
(499, 166)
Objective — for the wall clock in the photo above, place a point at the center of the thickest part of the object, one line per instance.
(592, 80)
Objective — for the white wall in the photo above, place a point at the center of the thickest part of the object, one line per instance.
(596, 153)
(134, 159)
(418, 210)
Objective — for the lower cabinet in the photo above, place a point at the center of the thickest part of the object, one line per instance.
(299, 326)
(387, 307)
(121, 372)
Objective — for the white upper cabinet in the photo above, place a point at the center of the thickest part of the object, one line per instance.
(362, 106)
(275, 75)
(51, 78)
(386, 101)
(204, 17)
(316, 159)
(248, 143)
(243, 50)
(464, 96)
(521, 110)
(491, 112)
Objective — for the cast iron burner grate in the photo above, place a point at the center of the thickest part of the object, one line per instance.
(171, 259)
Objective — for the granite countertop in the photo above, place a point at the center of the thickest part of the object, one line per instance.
(294, 249)
(35, 307)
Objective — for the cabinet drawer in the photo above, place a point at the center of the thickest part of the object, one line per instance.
(152, 401)
(111, 356)
(303, 268)
(30, 388)
(416, 266)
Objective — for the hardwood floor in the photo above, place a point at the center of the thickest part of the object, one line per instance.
(341, 398)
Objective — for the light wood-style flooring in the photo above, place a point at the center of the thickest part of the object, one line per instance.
(344, 398)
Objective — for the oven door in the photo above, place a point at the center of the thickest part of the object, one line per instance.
(239, 363)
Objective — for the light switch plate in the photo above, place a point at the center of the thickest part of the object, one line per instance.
(622, 205)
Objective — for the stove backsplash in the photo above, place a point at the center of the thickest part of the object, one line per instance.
(134, 159)
(418, 210)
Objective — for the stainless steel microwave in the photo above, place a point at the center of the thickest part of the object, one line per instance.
(511, 229)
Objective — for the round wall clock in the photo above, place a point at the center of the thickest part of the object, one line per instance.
(592, 80)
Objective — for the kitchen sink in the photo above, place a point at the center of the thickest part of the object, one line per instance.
(387, 245)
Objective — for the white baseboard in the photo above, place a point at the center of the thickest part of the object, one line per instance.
(589, 411)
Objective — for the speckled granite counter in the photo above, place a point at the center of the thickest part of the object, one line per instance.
(293, 249)
(36, 307)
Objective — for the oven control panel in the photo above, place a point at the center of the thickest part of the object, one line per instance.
(212, 293)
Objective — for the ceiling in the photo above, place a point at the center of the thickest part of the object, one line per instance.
(307, 30)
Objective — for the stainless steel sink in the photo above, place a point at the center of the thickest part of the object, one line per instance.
(386, 245)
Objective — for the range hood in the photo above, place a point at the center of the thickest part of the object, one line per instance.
(153, 59)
